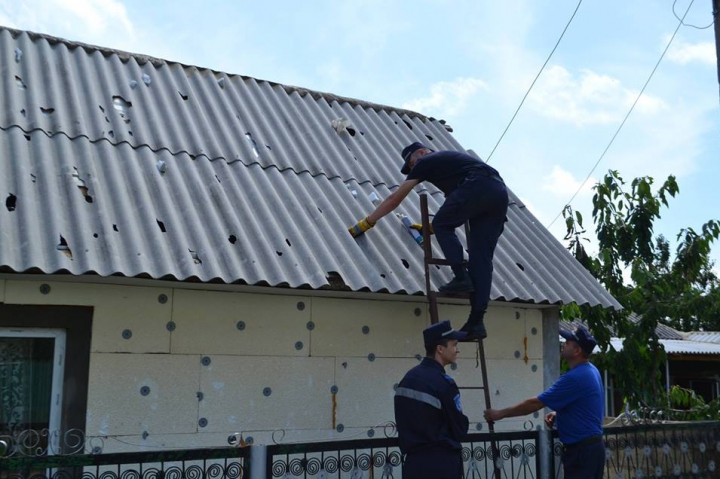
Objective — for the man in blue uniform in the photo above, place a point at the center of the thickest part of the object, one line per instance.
(474, 192)
(428, 413)
(577, 398)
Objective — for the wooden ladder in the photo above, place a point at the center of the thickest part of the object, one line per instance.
(433, 296)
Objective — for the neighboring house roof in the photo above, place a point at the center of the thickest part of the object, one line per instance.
(703, 336)
(680, 346)
(258, 186)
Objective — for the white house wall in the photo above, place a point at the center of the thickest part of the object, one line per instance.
(198, 365)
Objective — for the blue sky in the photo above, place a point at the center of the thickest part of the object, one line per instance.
(470, 63)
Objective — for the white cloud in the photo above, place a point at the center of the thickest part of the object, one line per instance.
(561, 182)
(97, 15)
(447, 99)
(102, 22)
(587, 98)
(683, 52)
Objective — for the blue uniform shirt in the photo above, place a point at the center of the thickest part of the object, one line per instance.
(447, 169)
(577, 398)
(428, 412)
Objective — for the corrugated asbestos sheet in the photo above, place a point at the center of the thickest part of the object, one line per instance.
(704, 336)
(680, 346)
(117, 164)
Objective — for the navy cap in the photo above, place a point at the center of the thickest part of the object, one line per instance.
(581, 336)
(442, 330)
(407, 152)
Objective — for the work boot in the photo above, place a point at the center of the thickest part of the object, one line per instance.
(475, 329)
(461, 283)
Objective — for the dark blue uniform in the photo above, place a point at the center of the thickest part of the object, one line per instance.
(476, 193)
(430, 423)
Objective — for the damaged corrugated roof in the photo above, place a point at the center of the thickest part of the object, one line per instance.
(119, 164)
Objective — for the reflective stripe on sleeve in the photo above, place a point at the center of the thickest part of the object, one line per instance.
(419, 396)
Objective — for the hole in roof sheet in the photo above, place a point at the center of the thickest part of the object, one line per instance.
(47, 111)
(115, 228)
(130, 133)
(95, 235)
(121, 104)
(111, 134)
(351, 131)
(405, 263)
(102, 109)
(107, 120)
(64, 248)
(11, 202)
(161, 225)
(195, 257)
(522, 268)
(27, 137)
(319, 210)
(382, 275)
(19, 82)
(336, 281)
(249, 137)
(429, 137)
(33, 178)
(23, 112)
(232, 239)
(80, 183)
(279, 253)
(184, 97)
(408, 124)
(216, 177)
(288, 242)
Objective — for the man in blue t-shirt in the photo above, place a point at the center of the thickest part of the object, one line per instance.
(474, 193)
(579, 408)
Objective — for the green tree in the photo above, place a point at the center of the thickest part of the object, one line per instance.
(679, 289)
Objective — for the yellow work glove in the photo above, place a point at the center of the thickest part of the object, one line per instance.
(360, 227)
(418, 226)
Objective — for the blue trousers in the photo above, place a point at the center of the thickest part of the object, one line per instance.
(482, 201)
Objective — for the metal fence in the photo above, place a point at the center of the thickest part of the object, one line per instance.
(217, 463)
(689, 449)
(642, 451)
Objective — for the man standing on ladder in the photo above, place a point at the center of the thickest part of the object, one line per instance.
(474, 193)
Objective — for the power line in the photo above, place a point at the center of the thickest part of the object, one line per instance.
(690, 24)
(626, 116)
(533, 82)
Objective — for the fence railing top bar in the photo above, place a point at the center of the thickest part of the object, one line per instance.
(674, 426)
(302, 447)
(165, 455)
(502, 436)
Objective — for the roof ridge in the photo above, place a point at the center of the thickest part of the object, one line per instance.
(142, 59)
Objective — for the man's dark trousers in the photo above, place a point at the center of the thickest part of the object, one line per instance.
(482, 201)
(584, 462)
(433, 464)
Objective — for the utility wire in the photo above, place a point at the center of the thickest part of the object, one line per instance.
(690, 24)
(626, 116)
(533, 82)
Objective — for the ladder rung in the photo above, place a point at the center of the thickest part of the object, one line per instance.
(440, 294)
(438, 261)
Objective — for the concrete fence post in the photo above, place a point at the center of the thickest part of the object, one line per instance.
(258, 462)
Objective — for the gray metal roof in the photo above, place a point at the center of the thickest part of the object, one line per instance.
(257, 185)
(704, 336)
(662, 331)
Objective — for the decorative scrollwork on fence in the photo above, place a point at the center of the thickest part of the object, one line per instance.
(349, 462)
(43, 442)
